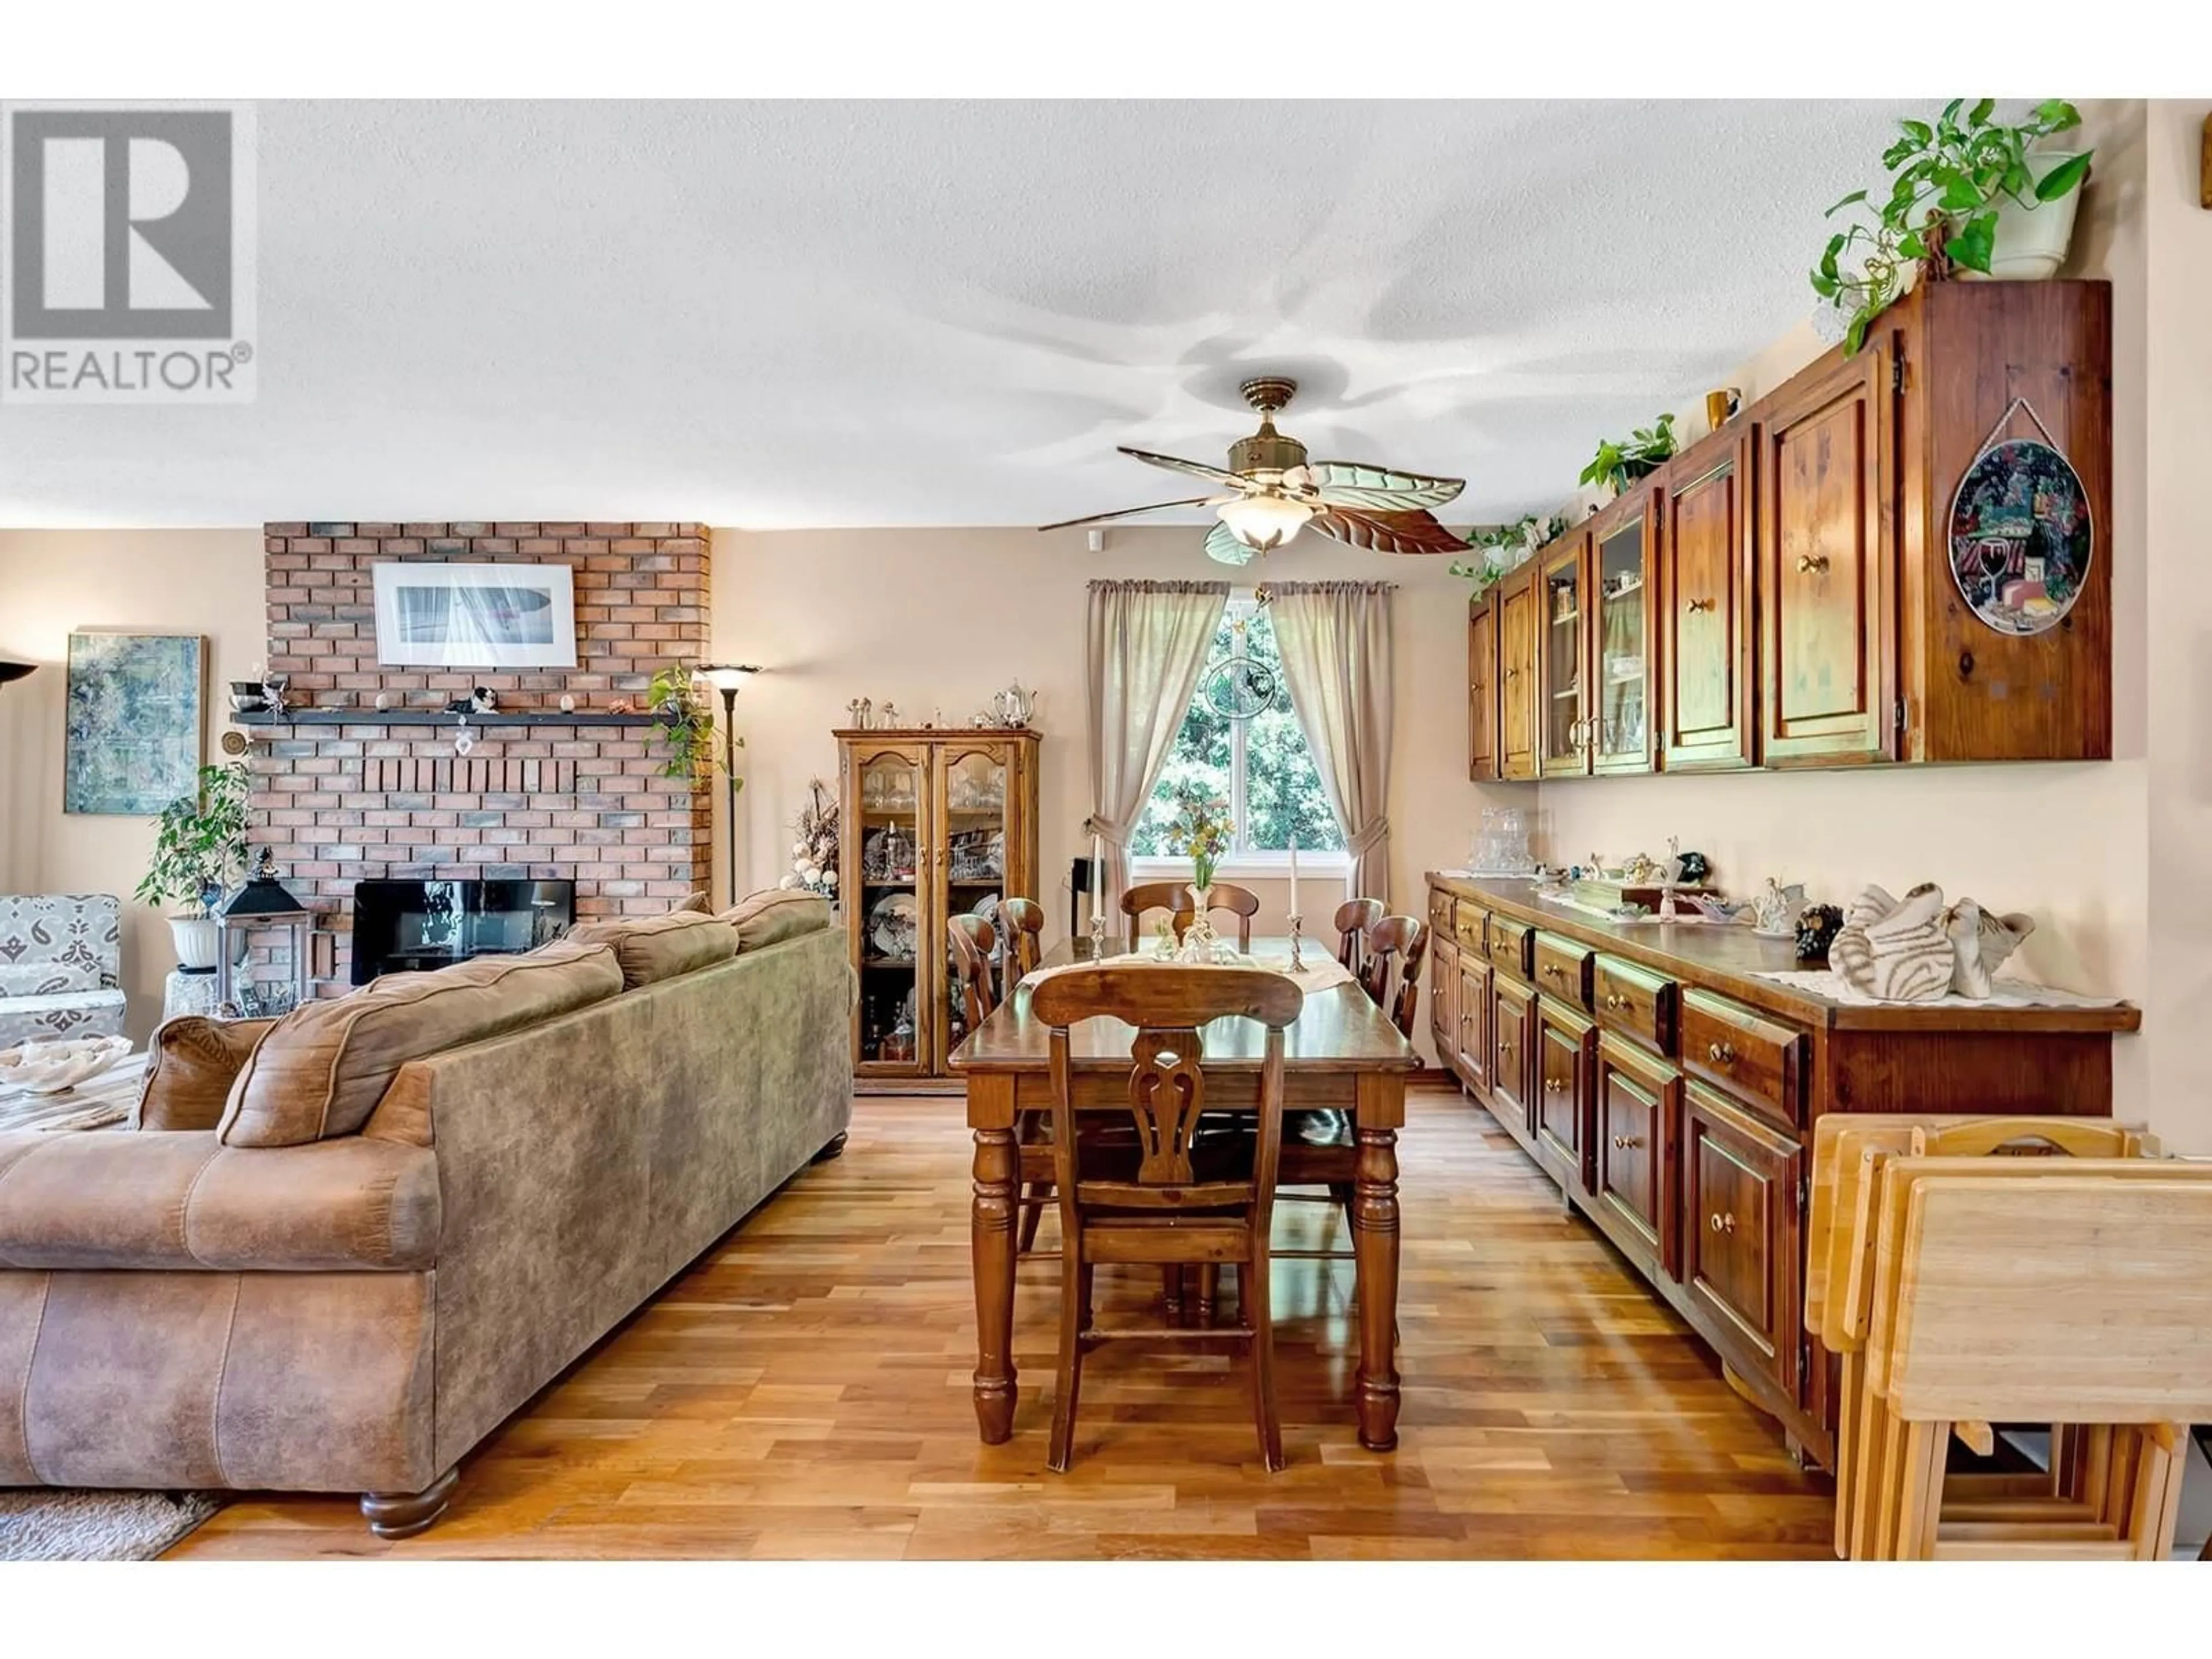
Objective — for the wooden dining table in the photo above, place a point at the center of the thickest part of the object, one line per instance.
(1342, 1053)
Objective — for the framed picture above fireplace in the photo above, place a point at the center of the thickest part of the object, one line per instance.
(475, 616)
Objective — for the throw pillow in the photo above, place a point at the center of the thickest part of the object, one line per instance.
(322, 1068)
(776, 914)
(46, 979)
(654, 948)
(190, 1066)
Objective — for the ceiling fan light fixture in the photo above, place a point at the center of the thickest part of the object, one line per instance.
(1262, 522)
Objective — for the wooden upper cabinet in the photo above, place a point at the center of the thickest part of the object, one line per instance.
(1516, 605)
(1482, 756)
(1562, 620)
(1624, 567)
(1704, 610)
(1825, 561)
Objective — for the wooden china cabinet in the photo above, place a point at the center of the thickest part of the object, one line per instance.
(1902, 555)
(936, 822)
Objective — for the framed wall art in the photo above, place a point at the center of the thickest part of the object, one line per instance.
(476, 615)
(133, 727)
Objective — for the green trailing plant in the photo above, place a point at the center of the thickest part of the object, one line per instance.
(683, 726)
(1621, 462)
(1947, 179)
(1496, 543)
(199, 843)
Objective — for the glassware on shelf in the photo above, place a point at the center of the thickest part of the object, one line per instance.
(1501, 847)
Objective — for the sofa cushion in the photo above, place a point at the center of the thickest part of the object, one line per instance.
(321, 1069)
(654, 948)
(46, 979)
(190, 1063)
(698, 902)
(183, 1201)
(779, 913)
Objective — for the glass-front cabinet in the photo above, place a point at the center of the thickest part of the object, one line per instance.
(976, 804)
(936, 824)
(888, 834)
(1563, 631)
(1620, 729)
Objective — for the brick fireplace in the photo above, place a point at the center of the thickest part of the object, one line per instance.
(345, 791)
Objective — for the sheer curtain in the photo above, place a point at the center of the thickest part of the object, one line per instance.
(1335, 642)
(1147, 642)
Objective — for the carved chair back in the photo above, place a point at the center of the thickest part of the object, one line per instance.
(1408, 999)
(1355, 919)
(1169, 1008)
(1021, 926)
(1387, 941)
(972, 940)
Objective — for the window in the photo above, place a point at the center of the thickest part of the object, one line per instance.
(1261, 766)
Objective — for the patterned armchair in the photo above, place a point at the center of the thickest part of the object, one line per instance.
(61, 963)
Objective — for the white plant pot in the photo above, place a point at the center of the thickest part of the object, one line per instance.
(198, 942)
(2031, 240)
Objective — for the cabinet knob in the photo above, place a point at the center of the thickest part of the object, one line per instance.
(1722, 1224)
(1814, 562)
(1626, 1143)
(1694, 607)
(1615, 1000)
(1551, 971)
(1720, 1053)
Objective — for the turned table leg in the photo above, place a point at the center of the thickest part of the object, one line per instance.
(394, 1515)
(1374, 1245)
(998, 1164)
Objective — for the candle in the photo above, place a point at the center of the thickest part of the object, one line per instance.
(1097, 872)
(1294, 876)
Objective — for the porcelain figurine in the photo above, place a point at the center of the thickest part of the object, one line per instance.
(1668, 876)
(1773, 911)
(1896, 951)
(1981, 940)
(1817, 926)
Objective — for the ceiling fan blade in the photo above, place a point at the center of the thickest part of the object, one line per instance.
(1174, 464)
(1379, 488)
(1386, 532)
(1132, 512)
(1221, 544)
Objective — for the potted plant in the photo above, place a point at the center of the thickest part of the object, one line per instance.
(199, 850)
(1971, 195)
(1620, 463)
(683, 724)
(1504, 547)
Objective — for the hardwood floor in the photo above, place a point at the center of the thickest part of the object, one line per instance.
(803, 1391)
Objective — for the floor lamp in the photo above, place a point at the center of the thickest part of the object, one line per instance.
(14, 671)
(725, 677)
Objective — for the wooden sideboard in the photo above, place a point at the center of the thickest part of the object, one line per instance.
(1780, 594)
(1671, 1092)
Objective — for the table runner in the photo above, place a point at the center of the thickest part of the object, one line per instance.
(2003, 994)
(1321, 973)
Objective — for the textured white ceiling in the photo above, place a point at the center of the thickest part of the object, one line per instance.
(811, 314)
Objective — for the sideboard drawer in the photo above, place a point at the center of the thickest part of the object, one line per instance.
(1510, 942)
(1757, 1058)
(1441, 908)
(1473, 927)
(1635, 1002)
(1562, 968)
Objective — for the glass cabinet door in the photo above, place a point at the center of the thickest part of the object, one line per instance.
(975, 807)
(891, 910)
(1620, 722)
(1561, 625)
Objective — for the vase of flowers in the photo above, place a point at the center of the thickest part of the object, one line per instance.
(1201, 830)
(814, 853)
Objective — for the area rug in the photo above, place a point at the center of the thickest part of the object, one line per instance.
(41, 1525)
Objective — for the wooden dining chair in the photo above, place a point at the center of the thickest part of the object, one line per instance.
(1240, 901)
(1388, 942)
(1173, 1200)
(1149, 895)
(973, 941)
(1355, 919)
(1021, 929)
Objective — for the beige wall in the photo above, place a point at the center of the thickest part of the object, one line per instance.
(942, 618)
(2175, 441)
(168, 581)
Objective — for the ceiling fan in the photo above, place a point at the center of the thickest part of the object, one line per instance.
(1270, 491)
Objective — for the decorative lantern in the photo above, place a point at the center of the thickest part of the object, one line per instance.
(262, 902)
